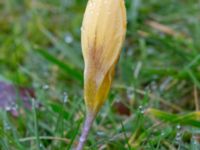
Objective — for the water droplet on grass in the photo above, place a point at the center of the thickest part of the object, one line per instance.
(195, 142)
(178, 127)
(7, 126)
(162, 134)
(130, 93)
(100, 133)
(69, 39)
(65, 97)
(130, 52)
(8, 108)
(141, 109)
(41, 145)
(46, 87)
(14, 106)
(178, 134)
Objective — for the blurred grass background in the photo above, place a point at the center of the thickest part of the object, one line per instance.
(154, 101)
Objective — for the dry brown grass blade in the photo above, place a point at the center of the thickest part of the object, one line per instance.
(45, 138)
(163, 28)
(196, 98)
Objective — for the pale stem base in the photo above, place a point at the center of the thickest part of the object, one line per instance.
(85, 131)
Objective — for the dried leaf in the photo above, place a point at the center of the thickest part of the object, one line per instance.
(122, 109)
(10, 95)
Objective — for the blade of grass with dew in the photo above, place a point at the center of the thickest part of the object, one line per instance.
(62, 115)
(125, 136)
(36, 124)
(194, 78)
(59, 109)
(190, 119)
(170, 72)
(63, 66)
(75, 133)
(71, 55)
(9, 132)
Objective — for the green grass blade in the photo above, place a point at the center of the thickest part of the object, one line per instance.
(190, 119)
(36, 125)
(72, 72)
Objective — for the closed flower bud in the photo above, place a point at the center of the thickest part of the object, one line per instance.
(103, 32)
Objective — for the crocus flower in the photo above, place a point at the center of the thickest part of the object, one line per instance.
(103, 33)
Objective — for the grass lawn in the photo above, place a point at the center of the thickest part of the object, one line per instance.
(154, 102)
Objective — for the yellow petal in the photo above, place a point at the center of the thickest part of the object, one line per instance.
(103, 32)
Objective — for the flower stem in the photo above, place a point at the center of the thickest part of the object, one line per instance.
(85, 131)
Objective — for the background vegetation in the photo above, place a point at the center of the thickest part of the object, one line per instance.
(154, 101)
